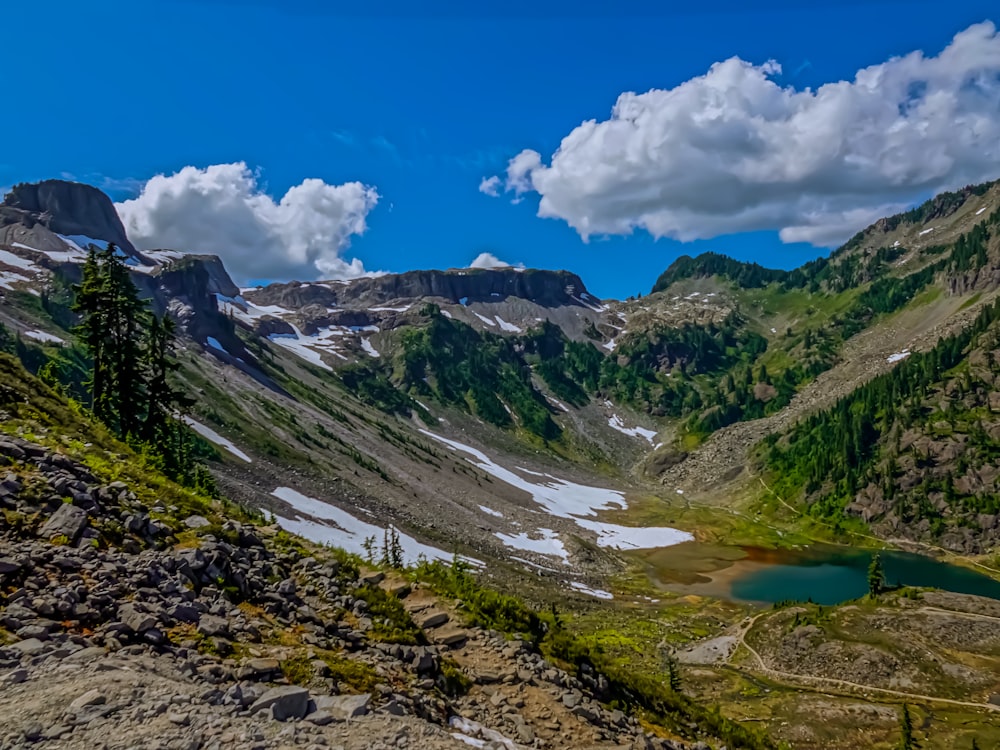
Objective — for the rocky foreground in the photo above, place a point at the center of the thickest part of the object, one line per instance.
(135, 626)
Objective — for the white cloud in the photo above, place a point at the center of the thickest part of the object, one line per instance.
(490, 186)
(222, 210)
(489, 260)
(733, 151)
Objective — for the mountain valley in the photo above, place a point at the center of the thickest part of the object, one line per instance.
(598, 473)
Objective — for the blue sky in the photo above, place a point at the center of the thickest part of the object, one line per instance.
(421, 107)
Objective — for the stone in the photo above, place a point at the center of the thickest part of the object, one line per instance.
(320, 718)
(90, 698)
(67, 521)
(263, 666)
(29, 646)
(136, 621)
(14, 678)
(211, 625)
(449, 635)
(285, 702)
(344, 706)
(7, 565)
(197, 522)
(571, 700)
(372, 579)
(431, 619)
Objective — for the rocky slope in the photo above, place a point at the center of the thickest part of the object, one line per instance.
(128, 625)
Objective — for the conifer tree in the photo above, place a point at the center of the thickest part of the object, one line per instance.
(906, 739)
(876, 576)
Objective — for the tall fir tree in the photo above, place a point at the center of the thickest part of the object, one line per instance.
(876, 576)
(112, 329)
(906, 739)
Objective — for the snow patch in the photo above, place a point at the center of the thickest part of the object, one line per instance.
(564, 499)
(47, 338)
(549, 544)
(505, 326)
(926, 231)
(898, 356)
(491, 512)
(610, 346)
(446, 314)
(213, 437)
(615, 422)
(896, 243)
(16, 261)
(370, 350)
(980, 210)
(486, 320)
(598, 593)
(402, 309)
(347, 531)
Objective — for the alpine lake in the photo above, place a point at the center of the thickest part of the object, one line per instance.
(824, 574)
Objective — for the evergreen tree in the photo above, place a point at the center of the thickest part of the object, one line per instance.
(975, 744)
(876, 576)
(112, 330)
(673, 676)
(906, 739)
(164, 401)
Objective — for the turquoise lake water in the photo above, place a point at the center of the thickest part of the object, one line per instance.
(829, 575)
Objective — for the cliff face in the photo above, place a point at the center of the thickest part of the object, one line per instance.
(66, 208)
(545, 288)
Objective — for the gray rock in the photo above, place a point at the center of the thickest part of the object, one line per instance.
(432, 619)
(8, 565)
(14, 678)
(67, 521)
(197, 522)
(372, 579)
(344, 706)
(135, 620)
(29, 646)
(211, 625)
(90, 698)
(285, 702)
(571, 700)
(320, 718)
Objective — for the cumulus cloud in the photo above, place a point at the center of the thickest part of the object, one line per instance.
(489, 260)
(490, 186)
(734, 151)
(222, 210)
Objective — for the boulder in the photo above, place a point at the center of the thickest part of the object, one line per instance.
(67, 521)
(344, 706)
(136, 621)
(285, 702)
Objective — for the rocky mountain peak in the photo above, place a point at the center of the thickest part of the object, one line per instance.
(69, 208)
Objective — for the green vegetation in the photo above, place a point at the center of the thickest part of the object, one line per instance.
(130, 353)
(858, 442)
(876, 577)
(482, 373)
(656, 702)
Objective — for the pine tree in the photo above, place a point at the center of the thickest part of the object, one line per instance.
(164, 401)
(975, 744)
(876, 576)
(673, 676)
(112, 330)
(906, 739)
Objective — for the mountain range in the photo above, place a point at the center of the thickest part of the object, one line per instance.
(556, 441)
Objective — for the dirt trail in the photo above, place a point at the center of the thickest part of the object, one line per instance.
(823, 684)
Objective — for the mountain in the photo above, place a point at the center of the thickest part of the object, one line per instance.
(607, 458)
